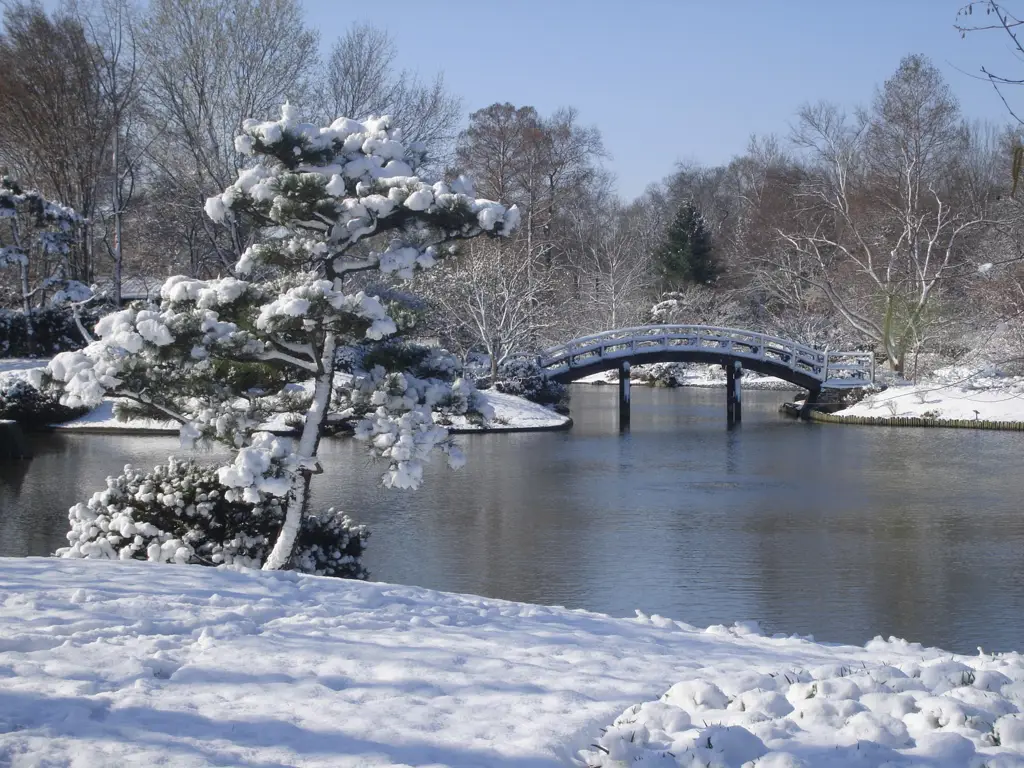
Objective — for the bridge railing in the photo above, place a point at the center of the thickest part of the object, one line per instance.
(843, 368)
(849, 368)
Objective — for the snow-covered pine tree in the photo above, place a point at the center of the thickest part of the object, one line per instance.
(687, 255)
(36, 236)
(222, 357)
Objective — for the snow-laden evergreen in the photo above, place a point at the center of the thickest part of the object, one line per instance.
(221, 357)
(36, 236)
(179, 513)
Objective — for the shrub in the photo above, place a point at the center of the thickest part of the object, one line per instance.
(525, 378)
(53, 330)
(32, 407)
(661, 374)
(180, 513)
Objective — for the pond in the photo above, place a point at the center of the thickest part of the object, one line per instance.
(836, 531)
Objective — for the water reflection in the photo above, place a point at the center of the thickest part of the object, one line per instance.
(833, 531)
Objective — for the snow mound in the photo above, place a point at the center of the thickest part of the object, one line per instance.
(942, 712)
(19, 368)
(133, 663)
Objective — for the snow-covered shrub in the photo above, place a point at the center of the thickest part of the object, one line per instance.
(180, 512)
(31, 407)
(53, 330)
(400, 376)
(395, 354)
(232, 353)
(36, 236)
(661, 374)
(697, 305)
(330, 544)
(523, 377)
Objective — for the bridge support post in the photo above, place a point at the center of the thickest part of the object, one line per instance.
(809, 401)
(624, 395)
(734, 393)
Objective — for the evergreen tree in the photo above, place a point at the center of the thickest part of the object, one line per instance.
(687, 255)
(35, 237)
(223, 357)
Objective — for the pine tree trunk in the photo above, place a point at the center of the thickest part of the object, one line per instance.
(309, 441)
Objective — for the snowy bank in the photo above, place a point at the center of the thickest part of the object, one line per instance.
(129, 663)
(948, 397)
(513, 413)
(18, 367)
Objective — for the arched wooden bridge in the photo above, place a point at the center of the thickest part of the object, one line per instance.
(733, 349)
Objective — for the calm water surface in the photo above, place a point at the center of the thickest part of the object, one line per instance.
(839, 532)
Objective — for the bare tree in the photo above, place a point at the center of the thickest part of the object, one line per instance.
(994, 15)
(491, 150)
(881, 222)
(612, 264)
(550, 275)
(111, 26)
(361, 81)
(514, 155)
(212, 64)
(490, 300)
(57, 124)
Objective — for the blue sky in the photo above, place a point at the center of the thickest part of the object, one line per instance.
(671, 80)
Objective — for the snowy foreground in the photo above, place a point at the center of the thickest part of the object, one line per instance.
(952, 395)
(136, 664)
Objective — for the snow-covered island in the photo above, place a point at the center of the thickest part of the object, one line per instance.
(132, 663)
(510, 412)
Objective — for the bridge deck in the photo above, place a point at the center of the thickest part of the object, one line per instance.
(798, 363)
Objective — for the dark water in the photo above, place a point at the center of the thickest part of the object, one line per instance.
(839, 532)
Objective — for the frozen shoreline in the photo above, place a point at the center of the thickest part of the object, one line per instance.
(129, 663)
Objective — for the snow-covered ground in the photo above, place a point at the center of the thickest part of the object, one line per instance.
(18, 367)
(102, 419)
(138, 664)
(513, 413)
(952, 394)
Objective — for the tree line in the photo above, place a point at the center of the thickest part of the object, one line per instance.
(889, 225)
